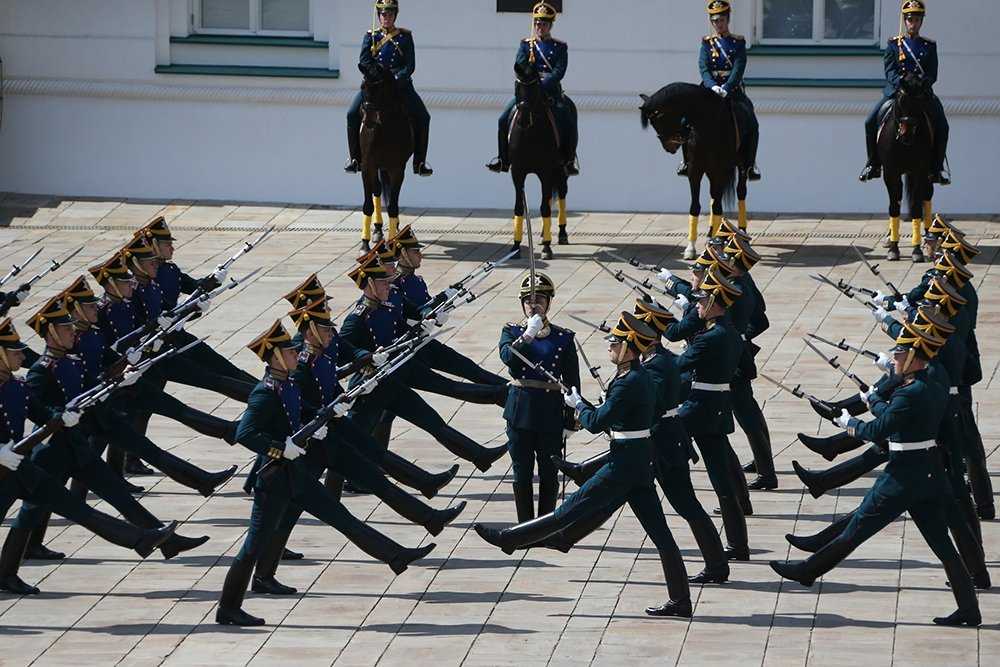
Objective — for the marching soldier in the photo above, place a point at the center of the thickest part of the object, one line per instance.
(626, 413)
(913, 481)
(722, 62)
(534, 413)
(287, 477)
(392, 48)
(909, 53)
(550, 58)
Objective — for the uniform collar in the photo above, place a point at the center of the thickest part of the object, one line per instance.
(277, 374)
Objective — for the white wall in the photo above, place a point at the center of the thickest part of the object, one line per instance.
(86, 115)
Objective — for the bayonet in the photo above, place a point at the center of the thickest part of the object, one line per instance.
(17, 268)
(846, 291)
(54, 266)
(795, 391)
(594, 370)
(633, 261)
(629, 281)
(247, 247)
(843, 345)
(873, 268)
(602, 327)
(834, 363)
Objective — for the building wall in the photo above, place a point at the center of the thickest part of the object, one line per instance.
(85, 114)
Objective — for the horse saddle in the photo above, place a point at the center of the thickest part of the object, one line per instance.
(885, 112)
(549, 114)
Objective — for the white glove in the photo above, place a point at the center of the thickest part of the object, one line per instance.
(665, 275)
(341, 409)
(9, 459)
(320, 433)
(843, 419)
(604, 396)
(164, 322)
(368, 389)
(902, 305)
(157, 345)
(203, 304)
(292, 451)
(130, 379)
(133, 356)
(879, 314)
(866, 396)
(70, 418)
(21, 295)
(380, 358)
(441, 317)
(572, 398)
(682, 302)
(220, 275)
(884, 362)
(450, 292)
(535, 324)
(879, 297)
(720, 91)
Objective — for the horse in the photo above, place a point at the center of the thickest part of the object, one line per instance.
(906, 150)
(692, 116)
(386, 146)
(534, 149)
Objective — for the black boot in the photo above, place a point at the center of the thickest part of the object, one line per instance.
(206, 424)
(565, 539)
(288, 554)
(135, 466)
(763, 483)
(795, 570)
(813, 543)
(233, 592)
(682, 170)
(871, 171)
(192, 476)
(810, 479)
(524, 501)
(681, 608)
(712, 552)
(407, 556)
(178, 544)
(335, 484)
(466, 448)
(422, 168)
(10, 562)
(677, 586)
(708, 576)
(971, 618)
(750, 467)
(581, 472)
(153, 538)
(441, 518)
(753, 173)
(853, 404)
(830, 447)
(548, 494)
(409, 474)
(522, 534)
(965, 596)
(353, 166)
(269, 585)
(36, 549)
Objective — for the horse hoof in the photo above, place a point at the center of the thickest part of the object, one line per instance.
(377, 237)
(918, 255)
(516, 249)
(563, 237)
(892, 254)
(690, 252)
(365, 246)
(547, 251)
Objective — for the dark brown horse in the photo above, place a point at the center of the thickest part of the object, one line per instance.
(534, 149)
(692, 116)
(386, 146)
(906, 149)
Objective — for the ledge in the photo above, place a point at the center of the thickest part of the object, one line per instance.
(252, 40)
(249, 70)
(814, 50)
(765, 82)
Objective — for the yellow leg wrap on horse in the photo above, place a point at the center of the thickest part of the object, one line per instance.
(894, 229)
(743, 213)
(378, 209)
(716, 221)
(366, 228)
(518, 228)
(928, 214)
(562, 212)
(393, 226)
(547, 229)
(915, 237)
(692, 228)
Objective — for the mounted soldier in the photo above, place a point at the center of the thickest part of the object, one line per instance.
(911, 54)
(549, 57)
(722, 62)
(391, 48)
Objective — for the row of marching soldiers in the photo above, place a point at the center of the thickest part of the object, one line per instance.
(922, 429)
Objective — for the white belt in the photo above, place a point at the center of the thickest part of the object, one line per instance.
(670, 413)
(708, 386)
(911, 446)
(953, 391)
(630, 435)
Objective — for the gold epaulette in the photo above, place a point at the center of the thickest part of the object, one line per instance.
(707, 38)
(274, 453)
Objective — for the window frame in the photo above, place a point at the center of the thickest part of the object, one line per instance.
(818, 26)
(255, 20)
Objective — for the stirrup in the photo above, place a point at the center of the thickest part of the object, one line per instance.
(683, 170)
(422, 169)
(753, 173)
(870, 172)
(353, 166)
(497, 166)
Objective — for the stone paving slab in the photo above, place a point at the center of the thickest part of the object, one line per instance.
(469, 603)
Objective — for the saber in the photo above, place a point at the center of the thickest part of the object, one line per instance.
(594, 370)
(17, 268)
(796, 391)
(247, 247)
(843, 345)
(54, 266)
(602, 327)
(531, 249)
(873, 268)
(652, 268)
(832, 361)
(539, 368)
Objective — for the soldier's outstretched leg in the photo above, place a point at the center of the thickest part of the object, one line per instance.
(448, 360)
(425, 379)
(837, 476)
(830, 447)
(830, 410)
(815, 542)
(186, 372)
(581, 472)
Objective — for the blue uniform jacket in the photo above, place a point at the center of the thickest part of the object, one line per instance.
(712, 356)
(628, 406)
(723, 61)
(393, 51)
(538, 409)
(551, 58)
(173, 282)
(912, 414)
(899, 59)
(274, 412)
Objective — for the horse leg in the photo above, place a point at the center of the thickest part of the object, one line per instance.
(694, 182)
(518, 177)
(562, 188)
(741, 198)
(547, 216)
(917, 201)
(367, 207)
(377, 190)
(717, 194)
(395, 185)
(894, 186)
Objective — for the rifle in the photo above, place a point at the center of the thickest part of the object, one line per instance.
(484, 268)
(629, 281)
(873, 268)
(846, 291)
(463, 296)
(17, 268)
(796, 391)
(633, 261)
(97, 394)
(407, 340)
(247, 247)
(832, 361)
(843, 345)
(53, 266)
(602, 327)
(593, 369)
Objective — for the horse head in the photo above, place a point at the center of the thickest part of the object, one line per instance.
(380, 92)
(666, 121)
(911, 107)
(528, 93)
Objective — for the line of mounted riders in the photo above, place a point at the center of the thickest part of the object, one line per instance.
(712, 122)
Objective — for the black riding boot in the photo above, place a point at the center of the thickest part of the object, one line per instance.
(548, 494)
(192, 476)
(710, 545)
(830, 447)
(873, 168)
(830, 410)
(353, 165)
(581, 472)
(524, 501)
(10, 562)
(760, 445)
(383, 549)
(420, 141)
(410, 474)
(264, 581)
(677, 587)
(965, 596)
(522, 534)
(806, 572)
(466, 448)
(230, 610)
(566, 539)
(206, 424)
(36, 543)
(813, 543)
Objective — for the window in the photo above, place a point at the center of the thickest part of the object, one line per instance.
(252, 17)
(524, 5)
(818, 21)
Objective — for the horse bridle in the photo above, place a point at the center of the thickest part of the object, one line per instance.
(676, 140)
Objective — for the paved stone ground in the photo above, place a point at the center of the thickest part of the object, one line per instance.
(468, 603)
